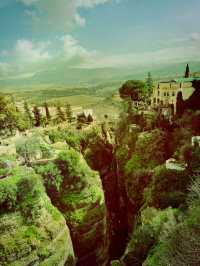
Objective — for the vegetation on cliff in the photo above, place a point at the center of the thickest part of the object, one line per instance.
(32, 230)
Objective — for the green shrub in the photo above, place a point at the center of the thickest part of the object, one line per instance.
(30, 147)
(51, 176)
(20, 190)
(151, 148)
(167, 188)
(193, 198)
(181, 247)
(6, 164)
(155, 224)
(8, 194)
(136, 181)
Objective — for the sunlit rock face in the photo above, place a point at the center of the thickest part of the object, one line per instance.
(32, 230)
(81, 200)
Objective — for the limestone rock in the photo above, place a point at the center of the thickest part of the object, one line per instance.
(81, 200)
(32, 230)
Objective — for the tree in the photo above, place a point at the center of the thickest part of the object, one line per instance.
(90, 119)
(179, 104)
(69, 113)
(196, 123)
(186, 154)
(37, 116)
(60, 117)
(8, 113)
(28, 114)
(192, 102)
(187, 71)
(132, 89)
(48, 116)
(149, 84)
(150, 150)
(166, 188)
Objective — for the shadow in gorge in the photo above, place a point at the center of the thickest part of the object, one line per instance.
(102, 159)
(117, 218)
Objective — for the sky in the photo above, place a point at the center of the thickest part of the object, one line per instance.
(36, 35)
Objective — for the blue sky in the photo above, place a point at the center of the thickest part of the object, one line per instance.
(40, 34)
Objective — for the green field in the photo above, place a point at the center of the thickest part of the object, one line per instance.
(102, 98)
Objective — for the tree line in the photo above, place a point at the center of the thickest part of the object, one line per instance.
(12, 119)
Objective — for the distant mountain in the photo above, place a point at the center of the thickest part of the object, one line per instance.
(78, 76)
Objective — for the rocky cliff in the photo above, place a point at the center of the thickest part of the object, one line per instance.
(32, 230)
(80, 197)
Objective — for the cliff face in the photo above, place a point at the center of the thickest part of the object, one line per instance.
(32, 230)
(81, 200)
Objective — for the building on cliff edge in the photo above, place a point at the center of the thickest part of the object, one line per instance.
(165, 94)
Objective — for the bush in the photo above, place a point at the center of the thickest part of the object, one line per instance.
(6, 164)
(167, 188)
(180, 137)
(146, 235)
(20, 190)
(51, 176)
(181, 247)
(194, 193)
(150, 149)
(99, 155)
(32, 148)
(136, 181)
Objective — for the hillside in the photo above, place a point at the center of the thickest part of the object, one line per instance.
(84, 77)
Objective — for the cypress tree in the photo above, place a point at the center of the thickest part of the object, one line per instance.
(28, 113)
(149, 83)
(60, 115)
(37, 116)
(179, 104)
(187, 71)
(69, 113)
(48, 116)
(90, 119)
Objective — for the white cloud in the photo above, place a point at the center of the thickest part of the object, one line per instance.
(27, 51)
(59, 15)
(31, 57)
(72, 49)
(28, 2)
(195, 36)
(162, 56)
(25, 56)
(80, 20)
(90, 3)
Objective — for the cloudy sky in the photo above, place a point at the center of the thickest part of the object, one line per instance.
(36, 35)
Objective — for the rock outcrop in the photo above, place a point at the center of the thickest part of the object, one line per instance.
(81, 200)
(32, 230)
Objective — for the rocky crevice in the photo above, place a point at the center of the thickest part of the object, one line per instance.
(81, 200)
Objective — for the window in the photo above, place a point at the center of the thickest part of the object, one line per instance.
(173, 93)
(164, 93)
(158, 93)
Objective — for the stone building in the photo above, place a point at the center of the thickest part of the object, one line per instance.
(165, 93)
